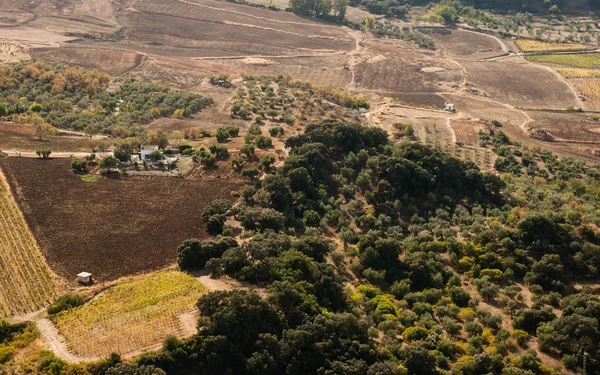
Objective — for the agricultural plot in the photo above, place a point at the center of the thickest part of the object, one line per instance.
(567, 127)
(403, 72)
(14, 136)
(468, 45)
(585, 61)
(520, 84)
(26, 284)
(578, 73)
(526, 45)
(206, 28)
(590, 88)
(113, 62)
(132, 315)
(110, 228)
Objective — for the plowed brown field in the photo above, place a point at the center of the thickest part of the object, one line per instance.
(110, 228)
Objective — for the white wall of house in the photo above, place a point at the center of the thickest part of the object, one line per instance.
(145, 153)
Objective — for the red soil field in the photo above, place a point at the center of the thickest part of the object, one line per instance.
(111, 228)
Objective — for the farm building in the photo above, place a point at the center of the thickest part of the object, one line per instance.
(449, 107)
(146, 151)
(84, 278)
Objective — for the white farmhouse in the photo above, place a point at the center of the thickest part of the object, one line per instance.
(146, 151)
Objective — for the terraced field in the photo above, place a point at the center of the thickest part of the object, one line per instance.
(132, 315)
(26, 284)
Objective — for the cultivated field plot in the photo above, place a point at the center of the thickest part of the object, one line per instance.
(132, 315)
(587, 61)
(25, 281)
(467, 132)
(402, 71)
(22, 137)
(419, 99)
(590, 88)
(110, 228)
(578, 73)
(321, 70)
(211, 28)
(567, 127)
(520, 84)
(466, 44)
(537, 46)
(113, 62)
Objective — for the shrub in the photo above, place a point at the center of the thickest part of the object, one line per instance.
(66, 302)
(276, 131)
(263, 142)
(459, 296)
(78, 165)
(520, 336)
(415, 334)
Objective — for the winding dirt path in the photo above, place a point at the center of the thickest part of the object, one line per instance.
(57, 343)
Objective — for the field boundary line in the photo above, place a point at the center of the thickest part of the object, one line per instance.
(256, 17)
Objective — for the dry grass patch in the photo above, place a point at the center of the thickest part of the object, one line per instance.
(25, 281)
(537, 46)
(130, 316)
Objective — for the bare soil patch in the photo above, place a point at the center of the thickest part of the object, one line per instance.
(114, 62)
(521, 84)
(110, 228)
(567, 127)
(465, 44)
(21, 137)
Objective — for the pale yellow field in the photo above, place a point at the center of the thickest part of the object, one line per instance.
(26, 284)
(578, 73)
(130, 316)
(590, 87)
(537, 46)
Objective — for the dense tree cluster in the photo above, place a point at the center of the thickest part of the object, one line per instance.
(80, 99)
(427, 242)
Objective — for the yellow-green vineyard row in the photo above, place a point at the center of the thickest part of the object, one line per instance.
(587, 61)
(537, 46)
(25, 281)
(130, 316)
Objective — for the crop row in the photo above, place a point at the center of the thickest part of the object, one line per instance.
(587, 61)
(144, 310)
(25, 281)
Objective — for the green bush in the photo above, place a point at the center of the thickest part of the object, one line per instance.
(78, 165)
(65, 302)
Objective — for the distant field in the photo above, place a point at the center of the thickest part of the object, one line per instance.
(520, 84)
(22, 137)
(587, 61)
(132, 315)
(590, 87)
(469, 45)
(568, 127)
(111, 228)
(578, 73)
(537, 46)
(25, 281)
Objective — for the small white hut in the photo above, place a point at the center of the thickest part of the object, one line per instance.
(84, 278)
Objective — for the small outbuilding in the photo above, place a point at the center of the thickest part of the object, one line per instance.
(449, 107)
(84, 278)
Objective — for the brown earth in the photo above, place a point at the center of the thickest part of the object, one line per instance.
(521, 84)
(110, 228)
(22, 137)
(469, 45)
